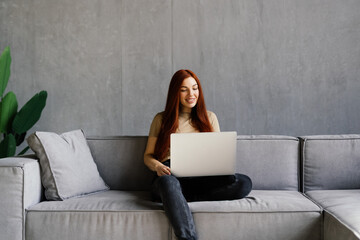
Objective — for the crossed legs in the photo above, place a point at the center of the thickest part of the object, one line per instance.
(175, 192)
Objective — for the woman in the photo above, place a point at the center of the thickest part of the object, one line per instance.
(185, 111)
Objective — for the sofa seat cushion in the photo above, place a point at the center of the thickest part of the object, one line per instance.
(261, 201)
(131, 215)
(104, 215)
(264, 214)
(342, 212)
(111, 200)
(257, 201)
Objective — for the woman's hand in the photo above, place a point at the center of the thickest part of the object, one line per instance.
(162, 170)
(152, 163)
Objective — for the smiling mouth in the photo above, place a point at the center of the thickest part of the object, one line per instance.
(191, 100)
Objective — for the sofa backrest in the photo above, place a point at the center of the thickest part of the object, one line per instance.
(331, 162)
(120, 162)
(272, 162)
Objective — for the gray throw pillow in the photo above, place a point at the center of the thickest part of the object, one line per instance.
(67, 167)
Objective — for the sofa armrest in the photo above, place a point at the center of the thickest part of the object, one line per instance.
(20, 187)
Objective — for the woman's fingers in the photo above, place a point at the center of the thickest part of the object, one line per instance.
(167, 170)
(164, 170)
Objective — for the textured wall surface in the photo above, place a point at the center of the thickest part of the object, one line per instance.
(267, 66)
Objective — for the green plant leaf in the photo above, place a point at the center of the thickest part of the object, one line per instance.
(30, 113)
(19, 138)
(24, 151)
(5, 62)
(8, 110)
(8, 146)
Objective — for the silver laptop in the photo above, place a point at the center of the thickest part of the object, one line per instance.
(203, 154)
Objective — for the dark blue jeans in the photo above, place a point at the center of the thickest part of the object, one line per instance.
(175, 192)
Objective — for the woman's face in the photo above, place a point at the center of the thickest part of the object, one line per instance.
(189, 93)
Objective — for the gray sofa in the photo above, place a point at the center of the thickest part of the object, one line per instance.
(331, 173)
(298, 193)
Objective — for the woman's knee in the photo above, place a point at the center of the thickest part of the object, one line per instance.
(245, 184)
(168, 182)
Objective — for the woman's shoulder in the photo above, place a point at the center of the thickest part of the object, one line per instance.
(156, 125)
(159, 115)
(211, 114)
(213, 121)
(158, 118)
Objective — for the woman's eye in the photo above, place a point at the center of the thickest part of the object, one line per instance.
(195, 89)
(183, 90)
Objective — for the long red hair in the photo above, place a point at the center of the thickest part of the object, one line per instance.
(170, 117)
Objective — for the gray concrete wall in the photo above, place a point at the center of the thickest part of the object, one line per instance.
(267, 67)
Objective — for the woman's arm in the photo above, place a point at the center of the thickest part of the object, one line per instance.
(152, 163)
(214, 121)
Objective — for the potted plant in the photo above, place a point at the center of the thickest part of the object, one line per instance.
(14, 124)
